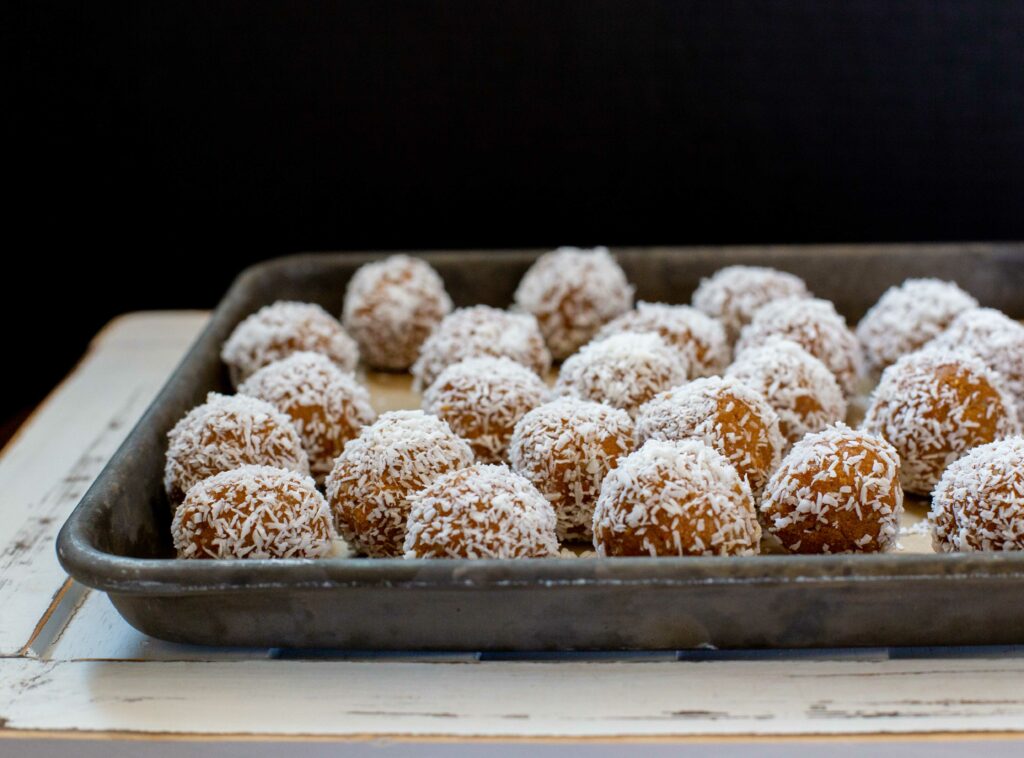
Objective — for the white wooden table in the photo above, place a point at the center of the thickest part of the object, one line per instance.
(72, 669)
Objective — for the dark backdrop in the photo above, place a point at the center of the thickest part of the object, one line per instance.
(154, 148)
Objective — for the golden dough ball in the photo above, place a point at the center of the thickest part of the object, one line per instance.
(282, 328)
(978, 503)
(799, 387)
(675, 499)
(624, 370)
(484, 511)
(734, 293)
(723, 413)
(371, 483)
(815, 326)
(701, 339)
(573, 293)
(482, 399)
(906, 317)
(996, 339)
(481, 331)
(225, 432)
(838, 491)
(566, 448)
(253, 512)
(935, 405)
(327, 406)
(391, 307)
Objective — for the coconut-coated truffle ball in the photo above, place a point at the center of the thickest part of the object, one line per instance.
(723, 413)
(225, 432)
(573, 293)
(480, 331)
(253, 512)
(816, 327)
(978, 503)
(734, 293)
(675, 499)
(371, 483)
(391, 307)
(797, 385)
(484, 511)
(282, 328)
(482, 399)
(566, 448)
(906, 317)
(327, 405)
(838, 491)
(996, 339)
(700, 338)
(935, 405)
(624, 370)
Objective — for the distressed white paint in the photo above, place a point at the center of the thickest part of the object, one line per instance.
(53, 460)
(514, 698)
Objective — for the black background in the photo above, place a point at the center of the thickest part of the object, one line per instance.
(155, 148)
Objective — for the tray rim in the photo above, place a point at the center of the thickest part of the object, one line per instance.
(168, 577)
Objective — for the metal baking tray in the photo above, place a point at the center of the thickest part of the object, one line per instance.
(117, 540)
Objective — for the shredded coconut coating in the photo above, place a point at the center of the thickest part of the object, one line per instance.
(700, 338)
(815, 326)
(391, 307)
(908, 316)
(374, 477)
(481, 331)
(838, 491)
(484, 511)
(979, 501)
(933, 406)
(996, 339)
(799, 387)
(226, 432)
(723, 413)
(624, 370)
(482, 399)
(566, 448)
(327, 406)
(573, 293)
(282, 328)
(253, 512)
(675, 498)
(733, 294)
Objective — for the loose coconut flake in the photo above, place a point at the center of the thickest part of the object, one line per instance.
(278, 330)
(701, 339)
(979, 501)
(908, 316)
(226, 432)
(624, 370)
(484, 511)
(253, 512)
(391, 307)
(572, 293)
(675, 498)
